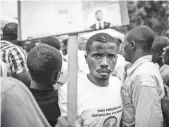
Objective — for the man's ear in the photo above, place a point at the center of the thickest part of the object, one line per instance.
(133, 45)
(56, 76)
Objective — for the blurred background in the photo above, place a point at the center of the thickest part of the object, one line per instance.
(154, 14)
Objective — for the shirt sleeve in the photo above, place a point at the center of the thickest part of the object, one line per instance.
(62, 93)
(19, 107)
(3, 69)
(17, 61)
(148, 104)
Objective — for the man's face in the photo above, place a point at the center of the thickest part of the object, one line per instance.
(99, 15)
(110, 123)
(167, 33)
(126, 50)
(102, 59)
(28, 45)
(165, 55)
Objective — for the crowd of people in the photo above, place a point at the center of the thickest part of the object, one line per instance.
(120, 90)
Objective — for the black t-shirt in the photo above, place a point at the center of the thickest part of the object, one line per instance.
(48, 102)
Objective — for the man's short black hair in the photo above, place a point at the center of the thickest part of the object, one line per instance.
(10, 31)
(141, 35)
(100, 37)
(52, 41)
(159, 43)
(43, 60)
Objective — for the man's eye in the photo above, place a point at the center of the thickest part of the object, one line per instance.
(112, 56)
(97, 56)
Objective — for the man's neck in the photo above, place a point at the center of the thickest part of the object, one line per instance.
(160, 63)
(139, 55)
(38, 86)
(98, 82)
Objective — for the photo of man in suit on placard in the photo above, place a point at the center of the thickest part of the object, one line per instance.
(100, 23)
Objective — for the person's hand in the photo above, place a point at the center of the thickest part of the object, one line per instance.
(63, 122)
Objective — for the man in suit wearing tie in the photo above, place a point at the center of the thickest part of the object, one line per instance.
(100, 24)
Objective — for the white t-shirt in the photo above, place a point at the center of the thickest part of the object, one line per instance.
(98, 106)
(120, 67)
(82, 65)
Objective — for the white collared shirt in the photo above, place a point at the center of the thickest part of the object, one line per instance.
(98, 23)
(142, 92)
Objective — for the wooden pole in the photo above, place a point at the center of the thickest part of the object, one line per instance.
(19, 20)
(72, 79)
(124, 13)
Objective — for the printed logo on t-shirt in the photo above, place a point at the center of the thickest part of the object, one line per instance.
(110, 122)
(108, 117)
(107, 112)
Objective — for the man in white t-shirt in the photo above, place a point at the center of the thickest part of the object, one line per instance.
(99, 99)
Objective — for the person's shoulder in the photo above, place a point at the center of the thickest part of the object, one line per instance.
(6, 45)
(107, 23)
(18, 48)
(148, 68)
(12, 85)
(164, 71)
(93, 26)
(115, 81)
(165, 68)
(82, 78)
(149, 72)
(5, 42)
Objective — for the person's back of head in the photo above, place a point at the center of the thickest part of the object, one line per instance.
(52, 41)
(138, 43)
(44, 64)
(10, 31)
(157, 48)
(29, 45)
(142, 35)
(165, 55)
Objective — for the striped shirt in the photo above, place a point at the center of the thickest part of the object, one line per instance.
(14, 57)
(3, 69)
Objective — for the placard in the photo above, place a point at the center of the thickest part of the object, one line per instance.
(46, 18)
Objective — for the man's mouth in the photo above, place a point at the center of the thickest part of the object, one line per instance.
(104, 71)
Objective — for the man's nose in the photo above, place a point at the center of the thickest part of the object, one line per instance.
(104, 62)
